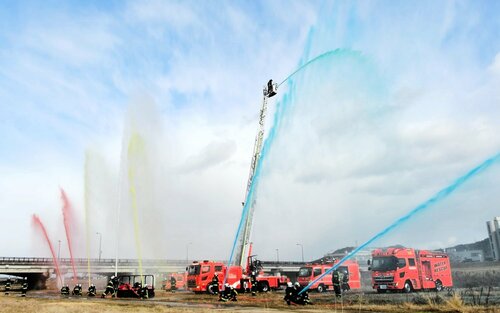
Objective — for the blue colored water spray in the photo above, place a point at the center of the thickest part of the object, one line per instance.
(433, 200)
(266, 146)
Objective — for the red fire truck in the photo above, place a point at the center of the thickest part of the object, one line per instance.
(180, 281)
(200, 276)
(310, 272)
(407, 269)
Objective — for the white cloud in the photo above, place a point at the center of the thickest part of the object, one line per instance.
(366, 140)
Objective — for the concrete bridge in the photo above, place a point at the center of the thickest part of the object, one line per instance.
(38, 270)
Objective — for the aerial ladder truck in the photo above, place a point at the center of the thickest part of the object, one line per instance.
(200, 274)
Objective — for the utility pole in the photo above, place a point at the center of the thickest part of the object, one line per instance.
(277, 255)
(100, 242)
(302, 249)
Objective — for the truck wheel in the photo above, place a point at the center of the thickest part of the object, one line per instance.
(210, 291)
(263, 286)
(321, 288)
(439, 285)
(407, 287)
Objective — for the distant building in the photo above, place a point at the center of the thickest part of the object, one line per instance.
(465, 255)
(494, 235)
(361, 257)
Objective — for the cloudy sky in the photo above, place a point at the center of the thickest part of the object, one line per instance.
(410, 103)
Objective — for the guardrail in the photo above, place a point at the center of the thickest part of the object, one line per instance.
(122, 262)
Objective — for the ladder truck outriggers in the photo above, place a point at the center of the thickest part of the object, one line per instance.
(200, 274)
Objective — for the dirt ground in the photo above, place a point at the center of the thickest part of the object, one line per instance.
(46, 301)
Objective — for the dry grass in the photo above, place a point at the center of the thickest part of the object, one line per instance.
(31, 305)
(188, 302)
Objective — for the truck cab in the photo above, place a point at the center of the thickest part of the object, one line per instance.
(200, 274)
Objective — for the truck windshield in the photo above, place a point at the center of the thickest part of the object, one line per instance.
(305, 272)
(384, 263)
(194, 270)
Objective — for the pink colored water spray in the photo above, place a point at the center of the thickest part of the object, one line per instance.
(38, 223)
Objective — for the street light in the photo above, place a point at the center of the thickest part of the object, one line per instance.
(302, 249)
(277, 255)
(187, 252)
(100, 242)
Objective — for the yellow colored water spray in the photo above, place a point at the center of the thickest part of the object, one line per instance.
(86, 204)
(135, 148)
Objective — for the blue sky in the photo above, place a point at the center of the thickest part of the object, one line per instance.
(73, 75)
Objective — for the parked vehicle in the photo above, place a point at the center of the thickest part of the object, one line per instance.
(310, 272)
(407, 269)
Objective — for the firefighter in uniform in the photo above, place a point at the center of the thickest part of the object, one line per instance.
(301, 298)
(110, 289)
(228, 294)
(173, 283)
(8, 283)
(337, 280)
(91, 291)
(270, 88)
(24, 287)
(345, 282)
(65, 290)
(143, 292)
(77, 290)
(255, 283)
(215, 284)
(290, 293)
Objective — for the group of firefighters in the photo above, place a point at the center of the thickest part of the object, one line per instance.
(24, 286)
(111, 289)
(296, 293)
(293, 293)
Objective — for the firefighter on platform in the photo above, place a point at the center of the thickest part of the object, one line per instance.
(270, 89)
(110, 289)
(173, 283)
(65, 290)
(228, 294)
(290, 293)
(8, 283)
(24, 287)
(215, 284)
(77, 290)
(91, 292)
(255, 283)
(337, 279)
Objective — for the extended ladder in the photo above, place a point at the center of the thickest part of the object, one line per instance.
(244, 239)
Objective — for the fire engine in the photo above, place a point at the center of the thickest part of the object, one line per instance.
(407, 269)
(180, 281)
(200, 274)
(309, 273)
(129, 285)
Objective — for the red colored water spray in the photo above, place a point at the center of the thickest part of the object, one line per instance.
(38, 223)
